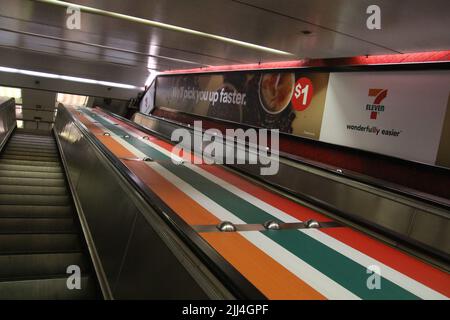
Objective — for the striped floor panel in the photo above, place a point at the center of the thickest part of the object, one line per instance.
(327, 263)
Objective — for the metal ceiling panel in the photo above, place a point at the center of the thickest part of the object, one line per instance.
(63, 65)
(406, 25)
(122, 51)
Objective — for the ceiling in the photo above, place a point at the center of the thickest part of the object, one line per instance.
(34, 36)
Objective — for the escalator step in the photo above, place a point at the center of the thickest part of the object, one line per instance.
(32, 138)
(30, 163)
(36, 225)
(39, 243)
(31, 199)
(22, 145)
(19, 133)
(14, 211)
(43, 289)
(41, 145)
(37, 190)
(34, 168)
(31, 149)
(26, 265)
(25, 174)
(32, 141)
(28, 157)
(36, 147)
(31, 144)
(31, 153)
(32, 182)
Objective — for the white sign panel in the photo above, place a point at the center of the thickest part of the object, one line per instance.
(394, 113)
(146, 105)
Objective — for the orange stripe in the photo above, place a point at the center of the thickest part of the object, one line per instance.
(117, 149)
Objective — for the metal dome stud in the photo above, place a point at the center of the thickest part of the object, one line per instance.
(226, 226)
(312, 224)
(271, 225)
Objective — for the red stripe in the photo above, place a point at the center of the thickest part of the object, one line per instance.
(398, 260)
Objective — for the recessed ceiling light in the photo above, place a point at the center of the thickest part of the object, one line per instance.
(68, 78)
(166, 26)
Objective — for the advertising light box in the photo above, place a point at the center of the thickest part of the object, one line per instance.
(404, 114)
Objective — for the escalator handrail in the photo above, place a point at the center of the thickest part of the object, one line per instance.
(3, 108)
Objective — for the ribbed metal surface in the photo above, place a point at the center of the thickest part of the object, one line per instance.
(39, 238)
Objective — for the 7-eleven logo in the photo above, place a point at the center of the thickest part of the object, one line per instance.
(376, 107)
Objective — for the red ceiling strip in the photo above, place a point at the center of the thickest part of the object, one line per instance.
(419, 57)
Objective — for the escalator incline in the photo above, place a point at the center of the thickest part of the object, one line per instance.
(39, 231)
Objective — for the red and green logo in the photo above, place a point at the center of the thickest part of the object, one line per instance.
(376, 107)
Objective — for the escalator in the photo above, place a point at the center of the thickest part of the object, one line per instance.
(40, 235)
(154, 230)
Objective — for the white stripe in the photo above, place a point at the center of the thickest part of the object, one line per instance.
(387, 272)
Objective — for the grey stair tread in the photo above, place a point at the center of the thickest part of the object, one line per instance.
(22, 181)
(34, 211)
(31, 153)
(37, 190)
(26, 132)
(32, 137)
(20, 135)
(24, 144)
(36, 225)
(28, 157)
(34, 168)
(37, 147)
(32, 199)
(28, 174)
(39, 243)
(32, 144)
(31, 149)
(47, 289)
(30, 162)
(32, 141)
(41, 264)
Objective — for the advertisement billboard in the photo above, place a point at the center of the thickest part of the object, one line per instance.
(397, 113)
(289, 101)
(394, 113)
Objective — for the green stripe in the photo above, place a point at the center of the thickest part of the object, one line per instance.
(333, 264)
